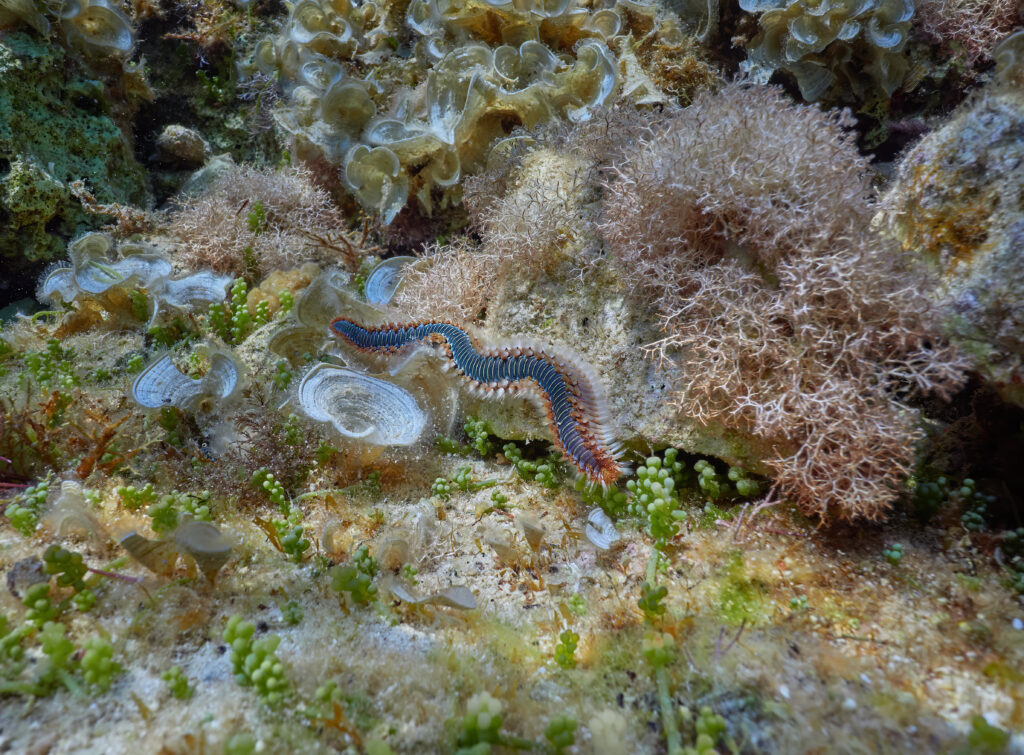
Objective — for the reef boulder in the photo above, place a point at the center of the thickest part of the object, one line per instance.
(958, 202)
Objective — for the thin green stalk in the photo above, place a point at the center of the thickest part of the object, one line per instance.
(668, 713)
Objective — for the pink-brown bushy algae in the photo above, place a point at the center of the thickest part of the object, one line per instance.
(746, 221)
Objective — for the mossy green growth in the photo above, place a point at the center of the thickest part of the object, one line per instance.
(611, 500)
(710, 728)
(23, 512)
(133, 498)
(560, 734)
(55, 128)
(178, 684)
(254, 663)
(654, 497)
(893, 554)
(739, 598)
(481, 724)
(53, 368)
(545, 472)
(291, 533)
(565, 650)
(166, 513)
(986, 739)
(41, 608)
(263, 479)
(650, 601)
(479, 432)
(283, 375)
(98, 665)
(70, 569)
(356, 577)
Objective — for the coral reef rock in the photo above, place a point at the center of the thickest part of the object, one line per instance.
(181, 147)
(958, 202)
(54, 129)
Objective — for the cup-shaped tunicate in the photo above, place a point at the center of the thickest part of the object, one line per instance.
(265, 57)
(423, 18)
(819, 40)
(98, 27)
(600, 530)
(393, 553)
(26, 10)
(456, 596)
(361, 407)
(88, 247)
(311, 23)
(376, 177)
(205, 543)
(408, 143)
(592, 80)
(70, 513)
(145, 269)
(92, 273)
(159, 556)
(57, 285)
(548, 8)
(384, 279)
(605, 24)
(296, 342)
(445, 168)
(95, 272)
(346, 105)
(524, 66)
(1009, 55)
(326, 298)
(163, 384)
(199, 288)
(318, 73)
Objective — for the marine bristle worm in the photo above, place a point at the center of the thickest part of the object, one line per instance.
(570, 397)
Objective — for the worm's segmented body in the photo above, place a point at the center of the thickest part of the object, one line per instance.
(571, 397)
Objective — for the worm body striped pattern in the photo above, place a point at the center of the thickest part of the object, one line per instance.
(570, 397)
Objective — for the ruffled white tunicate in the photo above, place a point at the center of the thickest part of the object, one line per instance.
(361, 407)
(384, 279)
(162, 384)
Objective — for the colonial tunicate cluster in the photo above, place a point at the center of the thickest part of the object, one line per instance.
(408, 101)
(832, 43)
(91, 272)
(96, 27)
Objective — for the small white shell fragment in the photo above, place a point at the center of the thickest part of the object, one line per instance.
(600, 530)
(393, 553)
(384, 279)
(531, 528)
(70, 513)
(163, 384)
(457, 596)
(361, 407)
